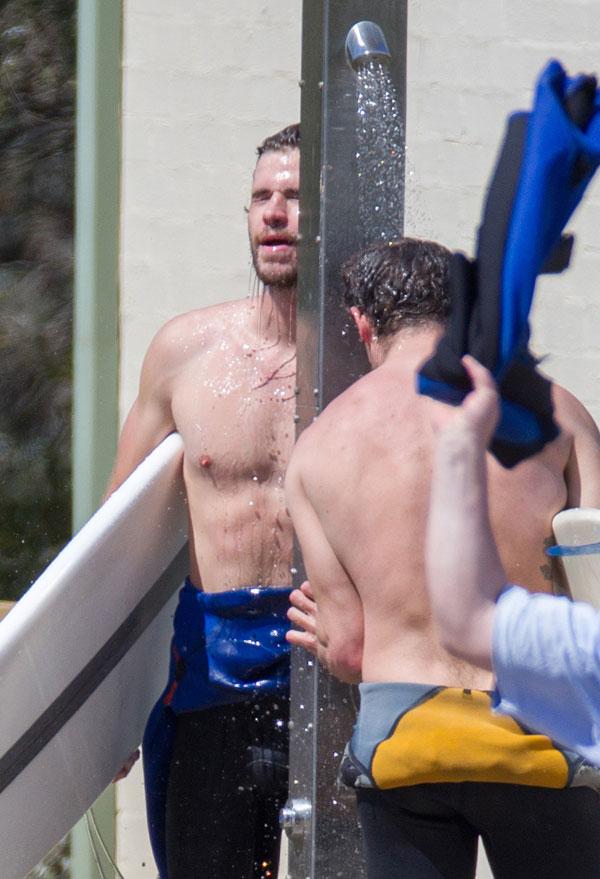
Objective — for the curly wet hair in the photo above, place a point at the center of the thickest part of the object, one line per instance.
(399, 283)
(287, 138)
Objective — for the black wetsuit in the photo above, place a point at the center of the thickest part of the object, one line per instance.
(434, 769)
(227, 783)
(430, 831)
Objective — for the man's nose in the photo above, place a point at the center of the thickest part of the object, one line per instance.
(276, 213)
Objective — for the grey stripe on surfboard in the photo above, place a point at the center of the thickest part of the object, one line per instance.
(58, 714)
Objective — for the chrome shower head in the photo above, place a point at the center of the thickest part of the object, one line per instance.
(366, 42)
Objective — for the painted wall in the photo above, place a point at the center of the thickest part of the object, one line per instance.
(470, 64)
(205, 83)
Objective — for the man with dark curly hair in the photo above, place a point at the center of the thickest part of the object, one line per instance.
(434, 769)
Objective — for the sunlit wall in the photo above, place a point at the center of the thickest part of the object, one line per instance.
(469, 65)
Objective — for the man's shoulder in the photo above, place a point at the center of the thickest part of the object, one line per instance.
(191, 330)
(341, 417)
(197, 318)
(571, 414)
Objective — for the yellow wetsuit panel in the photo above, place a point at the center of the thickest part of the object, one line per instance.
(454, 736)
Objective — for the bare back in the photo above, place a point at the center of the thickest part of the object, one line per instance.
(369, 487)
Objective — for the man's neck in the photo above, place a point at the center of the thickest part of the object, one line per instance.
(276, 316)
(411, 344)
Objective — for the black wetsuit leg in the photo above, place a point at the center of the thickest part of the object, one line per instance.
(409, 835)
(536, 831)
(430, 831)
(227, 783)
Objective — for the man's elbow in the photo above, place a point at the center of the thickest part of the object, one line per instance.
(344, 661)
(469, 639)
(455, 640)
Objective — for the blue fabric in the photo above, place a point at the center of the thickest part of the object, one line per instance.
(548, 158)
(546, 657)
(226, 647)
(547, 195)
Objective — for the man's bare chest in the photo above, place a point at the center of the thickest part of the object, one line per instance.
(236, 414)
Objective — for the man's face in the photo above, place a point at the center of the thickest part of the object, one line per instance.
(273, 217)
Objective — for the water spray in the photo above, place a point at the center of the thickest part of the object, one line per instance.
(379, 134)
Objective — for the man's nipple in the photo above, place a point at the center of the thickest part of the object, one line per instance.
(205, 461)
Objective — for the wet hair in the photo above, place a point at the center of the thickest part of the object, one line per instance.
(287, 138)
(399, 283)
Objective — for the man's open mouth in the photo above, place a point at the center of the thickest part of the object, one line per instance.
(277, 241)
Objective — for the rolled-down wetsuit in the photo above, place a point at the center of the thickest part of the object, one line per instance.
(435, 769)
(546, 162)
(215, 745)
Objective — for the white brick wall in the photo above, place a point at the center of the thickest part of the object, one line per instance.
(203, 84)
(469, 64)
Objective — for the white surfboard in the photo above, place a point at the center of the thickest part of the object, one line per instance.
(83, 657)
(579, 529)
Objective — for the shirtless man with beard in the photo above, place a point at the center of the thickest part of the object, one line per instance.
(434, 769)
(215, 748)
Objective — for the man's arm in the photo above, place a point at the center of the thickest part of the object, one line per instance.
(543, 649)
(150, 419)
(583, 469)
(333, 629)
(464, 570)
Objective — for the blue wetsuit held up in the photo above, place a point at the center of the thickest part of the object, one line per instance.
(546, 162)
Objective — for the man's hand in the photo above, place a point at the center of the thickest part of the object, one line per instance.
(127, 766)
(303, 613)
(479, 412)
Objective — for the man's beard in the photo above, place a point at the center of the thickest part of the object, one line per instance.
(275, 275)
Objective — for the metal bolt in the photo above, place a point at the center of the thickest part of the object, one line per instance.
(295, 817)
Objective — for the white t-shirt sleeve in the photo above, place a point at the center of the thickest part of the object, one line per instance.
(546, 656)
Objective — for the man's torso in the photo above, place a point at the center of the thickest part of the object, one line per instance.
(233, 404)
(369, 486)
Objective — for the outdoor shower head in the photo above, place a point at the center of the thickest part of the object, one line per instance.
(365, 42)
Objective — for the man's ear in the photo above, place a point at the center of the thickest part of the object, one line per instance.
(363, 325)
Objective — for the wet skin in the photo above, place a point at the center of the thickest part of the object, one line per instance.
(358, 491)
(224, 377)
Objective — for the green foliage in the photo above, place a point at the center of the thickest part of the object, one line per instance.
(37, 88)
